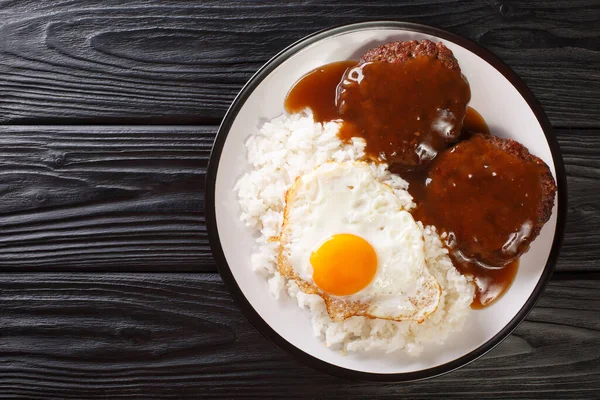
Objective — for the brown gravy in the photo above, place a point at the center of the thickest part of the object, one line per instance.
(474, 123)
(396, 125)
(317, 90)
(407, 112)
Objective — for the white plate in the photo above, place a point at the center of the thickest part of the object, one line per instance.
(510, 111)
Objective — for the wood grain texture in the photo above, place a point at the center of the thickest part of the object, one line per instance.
(130, 198)
(580, 250)
(89, 336)
(150, 61)
(121, 198)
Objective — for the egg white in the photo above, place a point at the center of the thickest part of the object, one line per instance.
(338, 198)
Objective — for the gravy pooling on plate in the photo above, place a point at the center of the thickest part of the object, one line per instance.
(317, 91)
(408, 100)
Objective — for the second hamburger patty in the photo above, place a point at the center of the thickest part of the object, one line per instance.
(491, 196)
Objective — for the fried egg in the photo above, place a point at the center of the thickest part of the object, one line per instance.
(346, 238)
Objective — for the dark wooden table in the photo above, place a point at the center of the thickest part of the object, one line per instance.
(108, 110)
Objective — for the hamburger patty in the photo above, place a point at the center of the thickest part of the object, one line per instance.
(407, 100)
(398, 52)
(491, 196)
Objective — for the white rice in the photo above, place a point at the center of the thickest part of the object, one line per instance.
(289, 146)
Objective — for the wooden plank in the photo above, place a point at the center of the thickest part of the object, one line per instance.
(122, 198)
(143, 61)
(116, 198)
(181, 336)
(580, 250)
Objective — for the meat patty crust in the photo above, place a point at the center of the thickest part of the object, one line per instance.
(398, 52)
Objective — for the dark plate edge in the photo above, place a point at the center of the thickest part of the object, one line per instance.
(253, 316)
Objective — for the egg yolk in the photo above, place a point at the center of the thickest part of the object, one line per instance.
(344, 264)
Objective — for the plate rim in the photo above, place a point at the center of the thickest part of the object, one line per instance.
(252, 314)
